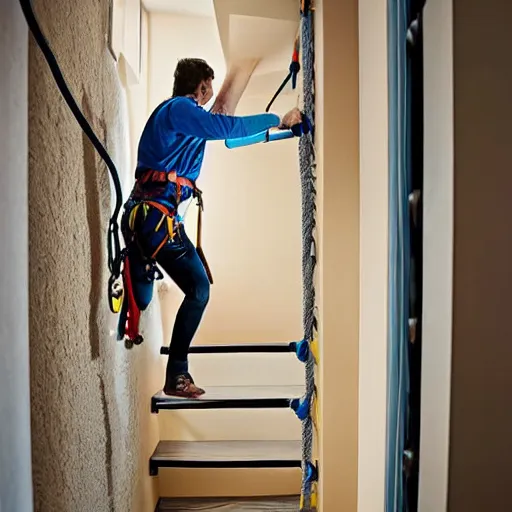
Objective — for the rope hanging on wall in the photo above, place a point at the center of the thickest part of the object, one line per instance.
(115, 255)
(308, 189)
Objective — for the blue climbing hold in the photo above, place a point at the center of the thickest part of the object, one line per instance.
(302, 128)
(301, 406)
(301, 349)
(311, 472)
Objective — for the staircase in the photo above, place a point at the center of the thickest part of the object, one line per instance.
(238, 448)
(264, 466)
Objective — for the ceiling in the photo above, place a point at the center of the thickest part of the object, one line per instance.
(202, 8)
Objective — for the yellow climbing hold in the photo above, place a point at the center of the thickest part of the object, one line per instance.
(313, 498)
(314, 349)
(315, 412)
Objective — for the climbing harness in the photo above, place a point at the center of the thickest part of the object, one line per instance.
(139, 216)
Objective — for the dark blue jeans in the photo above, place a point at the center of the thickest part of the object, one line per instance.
(179, 259)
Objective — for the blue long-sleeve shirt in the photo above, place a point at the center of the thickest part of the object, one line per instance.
(176, 133)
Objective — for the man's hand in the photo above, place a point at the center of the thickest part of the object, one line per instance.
(291, 118)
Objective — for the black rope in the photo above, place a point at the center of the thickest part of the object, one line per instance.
(113, 246)
(294, 70)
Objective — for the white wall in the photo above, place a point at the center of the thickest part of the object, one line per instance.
(173, 37)
(373, 87)
(15, 453)
(437, 255)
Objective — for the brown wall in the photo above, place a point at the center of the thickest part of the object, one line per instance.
(91, 431)
(481, 422)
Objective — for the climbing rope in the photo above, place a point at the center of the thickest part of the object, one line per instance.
(114, 253)
(308, 190)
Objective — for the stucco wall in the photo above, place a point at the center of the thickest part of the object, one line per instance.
(91, 428)
(15, 473)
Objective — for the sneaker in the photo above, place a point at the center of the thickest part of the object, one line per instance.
(182, 385)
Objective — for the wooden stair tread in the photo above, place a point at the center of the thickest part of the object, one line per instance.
(218, 397)
(226, 454)
(270, 504)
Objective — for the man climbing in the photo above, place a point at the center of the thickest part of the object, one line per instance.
(170, 156)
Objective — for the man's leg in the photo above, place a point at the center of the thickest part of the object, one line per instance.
(180, 260)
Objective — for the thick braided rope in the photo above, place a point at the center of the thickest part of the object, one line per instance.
(307, 176)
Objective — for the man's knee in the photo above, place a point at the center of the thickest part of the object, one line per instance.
(201, 293)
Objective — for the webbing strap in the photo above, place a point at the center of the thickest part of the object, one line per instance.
(292, 75)
(114, 245)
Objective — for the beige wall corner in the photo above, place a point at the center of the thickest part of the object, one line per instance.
(338, 253)
(15, 467)
(92, 432)
(374, 228)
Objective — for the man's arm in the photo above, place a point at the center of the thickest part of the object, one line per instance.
(186, 117)
(234, 86)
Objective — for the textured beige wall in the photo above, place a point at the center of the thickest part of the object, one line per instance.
(91, 428)
(15, 468)
(481, 417)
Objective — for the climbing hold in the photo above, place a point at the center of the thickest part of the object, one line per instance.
(311, 472)
(302, 128)
(313, 250)
(309, 500)
(413, 322)
(313, 347)
(313, 500)
(315, 411)
(414, 198)
(412, 32)
(301, 406)
(301, 349)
